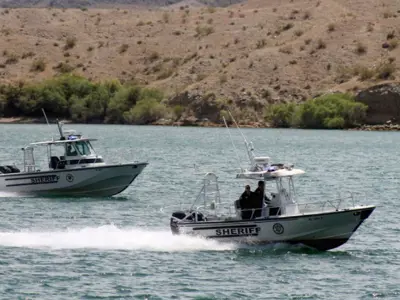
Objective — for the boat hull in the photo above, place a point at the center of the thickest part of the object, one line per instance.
(322, 231)
(99, 181)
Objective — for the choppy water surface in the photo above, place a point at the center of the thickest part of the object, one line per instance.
(121, 248)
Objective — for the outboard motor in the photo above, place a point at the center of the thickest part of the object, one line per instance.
(5, 170)
(173, 221)
(186, 216)
(14, 169)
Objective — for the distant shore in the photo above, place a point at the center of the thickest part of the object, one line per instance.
(22, 120)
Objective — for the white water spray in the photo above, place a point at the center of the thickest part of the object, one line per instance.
(8, 195)
(110, 237)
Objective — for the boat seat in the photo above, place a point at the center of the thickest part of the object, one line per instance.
(53, 162)
(56, 163)
(61, 164)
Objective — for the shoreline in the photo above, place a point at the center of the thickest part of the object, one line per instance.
(22, 120)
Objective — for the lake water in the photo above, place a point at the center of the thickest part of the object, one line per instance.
(122, 248)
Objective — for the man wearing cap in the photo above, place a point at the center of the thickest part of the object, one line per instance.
(245, 203)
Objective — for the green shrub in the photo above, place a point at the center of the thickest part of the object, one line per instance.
(211, 9)
(64, 67)
(154, 56)
(334, 123)
(95, 106)
(146, 111)
(280, 115)
(261, 43)
(165, 73)
(123, 48)
(178, 111)
(319, 112)
(70, 43)
(38, 65)
(328, 111)
(385, 71)
(204, 30)
(11, 59)
(80, 100)
(78, 109)
(121, 103)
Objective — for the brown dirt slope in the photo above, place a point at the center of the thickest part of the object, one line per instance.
(253, 53)
(108, 3)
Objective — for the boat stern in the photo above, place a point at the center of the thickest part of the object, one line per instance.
(184, 217)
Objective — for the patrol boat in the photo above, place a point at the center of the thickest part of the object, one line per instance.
(78, 171)
(259, 218)
(322, 226)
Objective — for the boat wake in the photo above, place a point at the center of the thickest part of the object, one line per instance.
(110, 237)
(8, 195)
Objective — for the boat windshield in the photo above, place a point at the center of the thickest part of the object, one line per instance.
(79, 148)
(83, 148)
(71, 150)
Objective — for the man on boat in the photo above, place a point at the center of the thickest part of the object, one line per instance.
(245, 204)
(260, 190)
(258, 201)
(71, 150)
(245, 196)
(262, 200)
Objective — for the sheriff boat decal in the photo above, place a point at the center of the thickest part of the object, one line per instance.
(33, 180)
(242, 231)
(45, 179)
(232, 231)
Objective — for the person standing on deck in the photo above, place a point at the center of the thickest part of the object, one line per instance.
(245, 203)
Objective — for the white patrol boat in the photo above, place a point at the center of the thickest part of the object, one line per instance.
(322, 226)
(78, 171)
(258, 218)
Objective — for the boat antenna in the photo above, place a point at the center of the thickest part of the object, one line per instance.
(233, 144)
(47, 121)
(44, 113)
(249, 146)
(60, 130)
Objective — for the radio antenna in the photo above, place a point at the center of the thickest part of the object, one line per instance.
(233, 144)
(44, 113)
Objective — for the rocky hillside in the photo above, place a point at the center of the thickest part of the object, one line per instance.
(244, 56)
(111, 3)
(383, 103)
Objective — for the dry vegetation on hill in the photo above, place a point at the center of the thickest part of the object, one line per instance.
(244, 56)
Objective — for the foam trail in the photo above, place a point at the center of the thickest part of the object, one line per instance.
(8, 194)
(110, 237)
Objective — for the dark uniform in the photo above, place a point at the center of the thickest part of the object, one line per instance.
(245, 203)
(244, 198)
(258, 201)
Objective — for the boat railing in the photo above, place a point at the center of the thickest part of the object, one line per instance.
(343, 199)
(62, 162)
(228, 209)
(81, 159)
(29, 159)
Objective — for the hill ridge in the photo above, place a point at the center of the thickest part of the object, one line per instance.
(249, 55)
